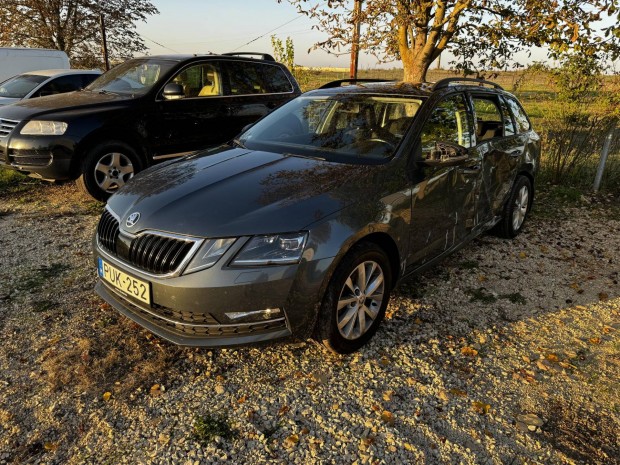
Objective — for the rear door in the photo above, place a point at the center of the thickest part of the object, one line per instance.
(501, 149)
(255, 89)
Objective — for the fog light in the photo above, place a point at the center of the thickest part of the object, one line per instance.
(256, 315)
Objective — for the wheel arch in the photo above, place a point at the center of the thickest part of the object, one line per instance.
(104, 136)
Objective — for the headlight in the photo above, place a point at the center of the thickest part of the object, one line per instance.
(44, 128)
(277, 249)
(208, 254)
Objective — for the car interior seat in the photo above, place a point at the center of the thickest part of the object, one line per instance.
(211, 85)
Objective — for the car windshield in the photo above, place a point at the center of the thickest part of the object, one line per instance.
(342, 127)
(20, 86)
(134, 77)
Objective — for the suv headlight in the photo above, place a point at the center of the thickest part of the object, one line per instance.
(275, 249)
(44, 128)
(208, 254)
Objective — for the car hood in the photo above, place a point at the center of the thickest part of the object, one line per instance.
(28, 108)
(8, 100)
(237, 192)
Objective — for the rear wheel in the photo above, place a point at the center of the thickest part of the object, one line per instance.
(516, 209)
(356, 298)
(107, 168)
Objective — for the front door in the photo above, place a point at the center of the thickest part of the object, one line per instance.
(444, 197)
(198, 119)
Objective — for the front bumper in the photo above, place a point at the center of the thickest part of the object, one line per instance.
(46, 157)
(191, 309)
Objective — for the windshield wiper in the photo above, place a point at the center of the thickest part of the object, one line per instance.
(237, 143)
(107, 92)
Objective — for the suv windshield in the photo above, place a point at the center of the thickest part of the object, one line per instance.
(134, 77)
(20, 86)
(340, 127)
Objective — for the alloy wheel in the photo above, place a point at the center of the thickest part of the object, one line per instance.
(360, 300)
(112, 171)
(520, 208)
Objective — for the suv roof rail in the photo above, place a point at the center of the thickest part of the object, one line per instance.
(263, 56)
(339, 82)
(442, 83)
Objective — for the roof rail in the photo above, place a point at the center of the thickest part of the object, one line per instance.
(263, 56)
(442, 83)
(339, 82)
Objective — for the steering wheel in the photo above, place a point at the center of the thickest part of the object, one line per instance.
(387, 144)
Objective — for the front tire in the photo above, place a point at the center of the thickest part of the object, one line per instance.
(516, 209)
(106, 168)
(356, 298)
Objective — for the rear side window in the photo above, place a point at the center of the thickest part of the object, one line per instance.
(247, 78)
(523, 123)
(489, 120)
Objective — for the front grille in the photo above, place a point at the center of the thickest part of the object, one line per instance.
(108, 231)
(158, 254)
(29, 157)
(153, 253)
(6, 126)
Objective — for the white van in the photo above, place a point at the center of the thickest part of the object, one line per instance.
(15, 61)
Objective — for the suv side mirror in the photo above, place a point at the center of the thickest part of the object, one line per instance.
(446, 154)
(173, 91)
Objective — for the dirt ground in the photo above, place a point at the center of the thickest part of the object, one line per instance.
(506, 353)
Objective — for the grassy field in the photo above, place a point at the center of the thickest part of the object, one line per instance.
(536, 91)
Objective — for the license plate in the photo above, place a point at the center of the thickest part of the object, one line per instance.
(129, 285)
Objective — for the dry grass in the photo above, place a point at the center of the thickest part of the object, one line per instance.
(112, 354)
(582, 434)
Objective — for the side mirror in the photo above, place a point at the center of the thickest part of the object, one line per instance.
(173, 91)
(446, 154)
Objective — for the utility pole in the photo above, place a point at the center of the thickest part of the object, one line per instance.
(355, 46)
(104, 45)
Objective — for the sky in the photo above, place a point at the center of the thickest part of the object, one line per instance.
(219, 26)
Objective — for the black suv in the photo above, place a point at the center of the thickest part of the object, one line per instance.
(305, 222)
(141, 111)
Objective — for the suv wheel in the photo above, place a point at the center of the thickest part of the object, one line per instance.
(516, 209)
(107, 168)
(356, 298)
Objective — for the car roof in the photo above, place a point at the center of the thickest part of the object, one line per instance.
(403, 89)
(61, 72)
(259, 57)
(396, 88)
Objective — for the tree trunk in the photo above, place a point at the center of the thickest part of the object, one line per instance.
(415, 69)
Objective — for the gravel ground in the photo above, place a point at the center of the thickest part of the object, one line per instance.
(507, 353)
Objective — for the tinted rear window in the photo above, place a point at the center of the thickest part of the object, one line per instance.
(256, 78)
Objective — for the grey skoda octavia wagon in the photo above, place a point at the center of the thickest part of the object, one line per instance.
(303, 225)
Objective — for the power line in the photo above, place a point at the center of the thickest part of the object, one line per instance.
(157, 43)
(274, 29)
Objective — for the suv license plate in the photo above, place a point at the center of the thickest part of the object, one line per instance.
(128, 285)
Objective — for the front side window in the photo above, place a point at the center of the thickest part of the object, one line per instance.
(134, 77)
(200, 80)
(448, 122)
(342, 127)
(60, 85)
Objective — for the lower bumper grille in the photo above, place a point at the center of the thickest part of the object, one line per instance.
(29, 158)
(160, 316)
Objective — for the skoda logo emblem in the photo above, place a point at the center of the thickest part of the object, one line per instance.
(132, 219)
